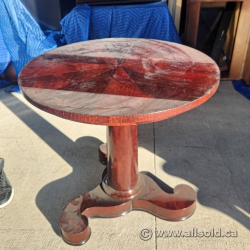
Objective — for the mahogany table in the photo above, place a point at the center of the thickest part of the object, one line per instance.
(120, 83)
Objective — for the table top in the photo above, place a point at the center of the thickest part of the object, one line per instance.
(119, 81)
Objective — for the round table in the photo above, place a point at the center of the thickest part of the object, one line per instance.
(120, 83)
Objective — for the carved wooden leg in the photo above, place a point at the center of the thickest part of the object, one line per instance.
(74, 221)
(123, 190)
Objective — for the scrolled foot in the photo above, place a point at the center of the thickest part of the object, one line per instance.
(175, 206)
(75, 228)
(149, 197)
(74, 219)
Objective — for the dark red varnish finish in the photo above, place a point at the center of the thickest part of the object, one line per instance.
(122, 144)
(120, 83)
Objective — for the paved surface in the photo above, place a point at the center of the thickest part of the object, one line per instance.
(50, 160)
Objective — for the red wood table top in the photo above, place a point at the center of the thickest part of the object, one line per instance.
(119, 81)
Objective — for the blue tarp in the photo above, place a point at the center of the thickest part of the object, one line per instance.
(23, 37)
(242, 88)
(4, 55)
(134, 21)
(151, 21)
(75, 26)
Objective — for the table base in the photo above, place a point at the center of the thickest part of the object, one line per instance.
(148, 197)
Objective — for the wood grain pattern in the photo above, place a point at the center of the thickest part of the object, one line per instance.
(246, 69)
(122, 157)
(119, 81)
(241, 42)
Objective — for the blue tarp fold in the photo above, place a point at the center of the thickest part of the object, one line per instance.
(4, 55)
(23, 37)
(75, 26)
(151, 21)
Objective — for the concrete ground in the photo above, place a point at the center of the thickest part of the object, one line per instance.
(50, 161)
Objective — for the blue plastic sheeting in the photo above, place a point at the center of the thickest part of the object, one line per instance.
(75, 26)
(5, 84)
(4, 55)
(242, 88)
(22, 35)
(135, 21)
(4, 61)
(13, 88)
